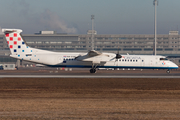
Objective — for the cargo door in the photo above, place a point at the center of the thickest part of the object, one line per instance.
(60, 59)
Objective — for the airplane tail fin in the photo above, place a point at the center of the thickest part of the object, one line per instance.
(16, 43)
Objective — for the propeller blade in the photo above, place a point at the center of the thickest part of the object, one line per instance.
(118, 56)
(112, 59)
(118, 51)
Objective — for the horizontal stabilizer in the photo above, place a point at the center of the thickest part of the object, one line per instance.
(11, 30)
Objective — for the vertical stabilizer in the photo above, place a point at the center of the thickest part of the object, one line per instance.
(16, 43)
(20, 50)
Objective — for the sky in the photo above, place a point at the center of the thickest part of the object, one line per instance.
(74, 16)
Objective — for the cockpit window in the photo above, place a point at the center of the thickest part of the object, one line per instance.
(163, 59)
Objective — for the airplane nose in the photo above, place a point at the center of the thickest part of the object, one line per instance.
(173, 65)
(176, 66)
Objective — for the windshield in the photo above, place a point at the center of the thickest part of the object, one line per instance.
(163, 59)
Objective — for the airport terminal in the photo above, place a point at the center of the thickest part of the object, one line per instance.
(139, 44)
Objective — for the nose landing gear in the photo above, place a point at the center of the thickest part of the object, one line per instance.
(168, 72)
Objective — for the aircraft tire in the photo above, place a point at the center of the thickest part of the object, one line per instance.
(168, 71)
(92, 70)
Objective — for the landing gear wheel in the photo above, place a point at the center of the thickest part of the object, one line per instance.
(168, 71)
(92, 70)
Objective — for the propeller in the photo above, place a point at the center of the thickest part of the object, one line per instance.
(118, 56)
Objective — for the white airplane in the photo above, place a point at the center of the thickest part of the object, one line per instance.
(93, 59)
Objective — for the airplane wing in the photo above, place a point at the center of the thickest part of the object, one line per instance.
(93, 53)
(93, 56)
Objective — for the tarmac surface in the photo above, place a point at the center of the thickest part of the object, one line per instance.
(84, 73)
(89, 98)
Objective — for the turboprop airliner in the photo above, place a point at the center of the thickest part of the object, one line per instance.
(93, 59)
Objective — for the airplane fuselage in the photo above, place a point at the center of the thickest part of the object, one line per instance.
(63, 59)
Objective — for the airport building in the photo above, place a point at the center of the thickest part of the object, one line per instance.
(167, 44)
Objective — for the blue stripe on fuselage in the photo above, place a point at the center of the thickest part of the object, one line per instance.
(136, 67)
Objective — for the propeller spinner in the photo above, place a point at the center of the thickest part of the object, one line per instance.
(118, 56)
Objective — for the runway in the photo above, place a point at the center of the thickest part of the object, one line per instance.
(83, 76)
(84, 73)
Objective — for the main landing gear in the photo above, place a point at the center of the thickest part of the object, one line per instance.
(93, 69)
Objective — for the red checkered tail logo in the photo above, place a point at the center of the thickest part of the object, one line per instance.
(15, 42)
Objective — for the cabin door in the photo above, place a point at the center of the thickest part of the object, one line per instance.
(142, 62)
(151, 62)
(157, 62)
